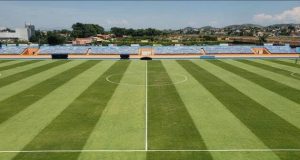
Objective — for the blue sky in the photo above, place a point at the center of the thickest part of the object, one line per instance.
(143, 14)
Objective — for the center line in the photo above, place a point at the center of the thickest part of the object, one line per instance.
(146, 108)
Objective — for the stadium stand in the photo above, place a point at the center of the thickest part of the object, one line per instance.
(280, 49)
(298, 50)
(63, 49)
(228, 49)
(159, 50)
(177, 50)
(12, 49)
(114, 50)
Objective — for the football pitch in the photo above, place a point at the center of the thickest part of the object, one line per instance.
(150, 110)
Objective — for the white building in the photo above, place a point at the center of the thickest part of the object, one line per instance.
(18, 33)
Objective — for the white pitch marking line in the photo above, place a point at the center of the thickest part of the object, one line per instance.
(204, 150)
(185, 78)
(146, 107)
(294, 74)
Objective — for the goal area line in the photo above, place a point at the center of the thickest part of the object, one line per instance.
(152, 150)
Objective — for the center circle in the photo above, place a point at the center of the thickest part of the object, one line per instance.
(161, 80)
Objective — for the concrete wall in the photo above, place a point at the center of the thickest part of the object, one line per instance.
(20, 33)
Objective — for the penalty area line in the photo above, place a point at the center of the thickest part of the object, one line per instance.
(204, 150)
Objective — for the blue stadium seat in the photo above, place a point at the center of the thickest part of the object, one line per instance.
(177, 50)
(228, 49)
(63, 49)
(298, 49)
(114, 49)
(280, 49)
(12, 49)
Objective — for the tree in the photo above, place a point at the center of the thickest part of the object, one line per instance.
(152, 32)
(33, 39)
(7, 30)
(139, 32)
(55, 39)
(291, 29)
(16, 41)
(129, 31)
(135, 33)
(210, 38)
(81, 30)
(262, 39)
(118, 31)
(65, 31)
(284, 32)
(39, 37)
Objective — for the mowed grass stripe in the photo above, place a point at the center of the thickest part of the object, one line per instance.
(292, 60)
(287, 63)
(71, 129)
(24, 84)
(219, 128)
(279, 88)
(272, 101)
(269, 68)
(4, 61)
(23, 63)
(280, 66)
(31, 121)
(288, 81)
(10, 62)
(114, 155)
(14, 104)
(21, 75)
(122, 123)
(13, 71)
(271, 129)
(116, 129)
(170, 126)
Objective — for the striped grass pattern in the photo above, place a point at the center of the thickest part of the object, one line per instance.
(222, 110)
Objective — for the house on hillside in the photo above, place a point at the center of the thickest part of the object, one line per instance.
(88, 41)
(82, 41)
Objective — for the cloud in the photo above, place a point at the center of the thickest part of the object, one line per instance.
(288, 16)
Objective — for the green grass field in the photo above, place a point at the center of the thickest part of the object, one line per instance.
(149, 110)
